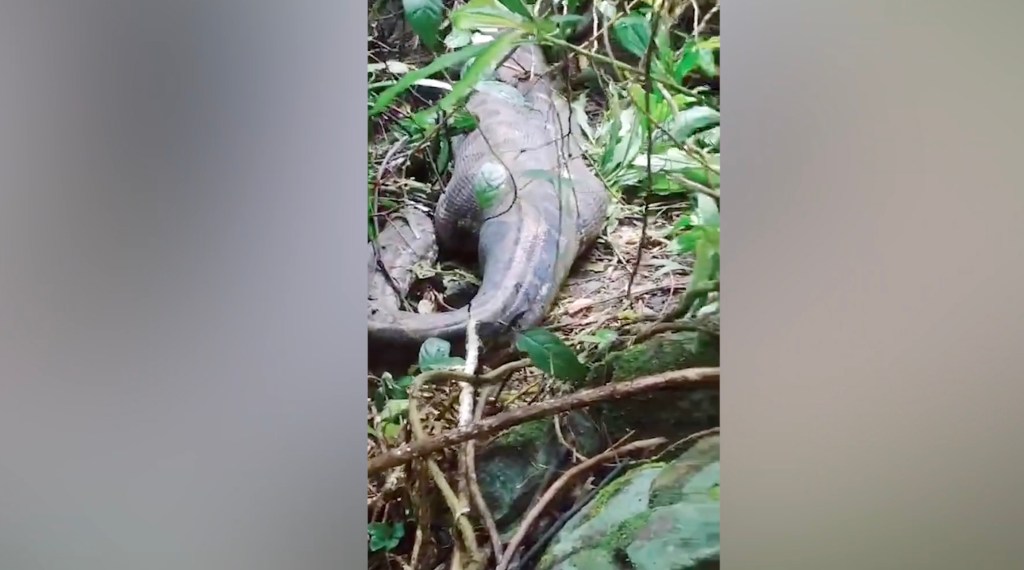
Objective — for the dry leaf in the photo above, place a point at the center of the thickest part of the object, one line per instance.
(578, 305)
(426, 305)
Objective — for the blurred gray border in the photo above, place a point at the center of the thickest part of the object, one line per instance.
(182, 344)
(175, 299)
(871, 394)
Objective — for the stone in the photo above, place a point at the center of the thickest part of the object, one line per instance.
(658, 516)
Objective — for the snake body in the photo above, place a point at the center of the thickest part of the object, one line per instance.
(548, 207)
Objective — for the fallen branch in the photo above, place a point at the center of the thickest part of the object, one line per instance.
(690, 378)
(466, 394)
(693, 293)
(456, 506)
(692, 437)
(468, 536)
(675, 326)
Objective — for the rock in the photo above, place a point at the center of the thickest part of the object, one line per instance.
(511, 468)
(676, 537)
(653, 517)
(625, 497)
(674, 414)
(671, 483)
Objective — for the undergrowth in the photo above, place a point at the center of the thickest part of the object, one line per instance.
(642, 77)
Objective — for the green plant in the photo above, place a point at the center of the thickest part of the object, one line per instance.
(385, 536)
(655, 140)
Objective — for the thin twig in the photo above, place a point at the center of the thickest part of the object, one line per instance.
(648, 88)
(422, 516)
(564, 480)
(694, 292)
(707, 18)
(670, 327)
(466, 409)
(474, 485)
(692, 437)
(667, 81)
(564, 518)
(576, 455)
(468, 536)
(419, 435)
(698, 187)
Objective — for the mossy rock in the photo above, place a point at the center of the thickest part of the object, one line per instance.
(656, 516)
(672, 414)
(513, 465)
(684, 536)
(659, 354)
(590, 529)
(677, 478)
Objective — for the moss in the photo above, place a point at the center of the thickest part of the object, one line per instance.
(624, 534)
(661, 354)
(524, 435)
(682, 412)
(668, 487)
(604, 495)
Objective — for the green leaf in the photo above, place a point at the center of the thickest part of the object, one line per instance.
(664, 185)
(706, 62)
(385, 536)
(391, 430)
(706, 213)
(602, 338)
(710, 139)
(629, 142)
(607, 162)
(688, 62)
(568, 20)
(686, 242)
(633, 33)
(518, 7)
(424, 17)
(691, 238)
(443, 155)
(440, 63)
(488, 58)
(477, 14)
(659, 109)
(663, 43)
(701, 175)
(462, 122)
(458, 38)
(706, 262)
(550, 354)
(394, 409)
(710, 43)
(399, 389)
(689, 121)
(558, 25)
